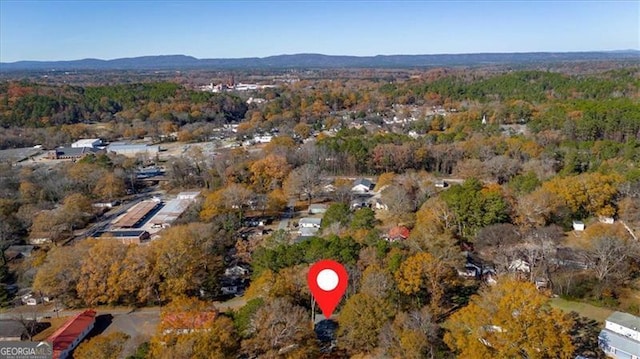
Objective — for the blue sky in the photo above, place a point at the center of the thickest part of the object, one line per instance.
(67, 30)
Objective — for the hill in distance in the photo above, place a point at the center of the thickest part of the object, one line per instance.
(165, 62)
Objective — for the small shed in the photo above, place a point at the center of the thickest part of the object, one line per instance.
(578, 226)
(606, 220)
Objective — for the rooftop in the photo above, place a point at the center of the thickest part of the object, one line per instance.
(189, 194)
(625, 319)
(130, 146)
(136, 214)
(363, 181)
(123, 234)
(75, 151)
(65, 335)
(399, 232)
(171, 211)
(620, 342)
(311, 220)
(88, 142)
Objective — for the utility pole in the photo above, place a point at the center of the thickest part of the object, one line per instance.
(313, 311)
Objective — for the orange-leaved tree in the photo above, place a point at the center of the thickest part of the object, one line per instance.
(509, 320)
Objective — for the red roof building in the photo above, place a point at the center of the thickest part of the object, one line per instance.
(67, 337)
(398, 233)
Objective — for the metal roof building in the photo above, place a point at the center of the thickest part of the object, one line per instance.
(87, 142)
(136, 215)
(128, 149)
(170, 212)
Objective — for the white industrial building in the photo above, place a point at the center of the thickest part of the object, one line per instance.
(128, 149)
(173, 209)
(87, 142)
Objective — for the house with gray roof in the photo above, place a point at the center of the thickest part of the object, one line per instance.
(620, 337)
(362, 185)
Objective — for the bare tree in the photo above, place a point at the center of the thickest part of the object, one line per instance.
(498, 243)
(280, 328)
(539, 248)
(398, 200)
(502, 168)
(610, 257)
(304, 181)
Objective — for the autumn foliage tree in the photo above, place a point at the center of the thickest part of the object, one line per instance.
(268, 173)
(102, 263)
(587, 193)
(361, 320)
(509, 320)
(107, 346)
(193, 328)
(411, 335)
(424, 275)
(280, 329)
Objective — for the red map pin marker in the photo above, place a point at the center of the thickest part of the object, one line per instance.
(327, 281)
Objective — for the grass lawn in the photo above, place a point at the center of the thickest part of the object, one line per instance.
(584, 309)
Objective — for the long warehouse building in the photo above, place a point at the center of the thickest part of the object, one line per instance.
(137, 215)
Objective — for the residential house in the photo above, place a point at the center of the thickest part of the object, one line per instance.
(379, 205)
(262, 139)
(317, 208)
(519, 265)
(329, 188)
(620, 337)
(236, 271)
(67, 337)
(309, 222)
(12, 331)
(359, 203)
(362, 185)
(398, 233)
(39, 238)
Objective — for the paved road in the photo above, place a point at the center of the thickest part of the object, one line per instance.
(39, 312)
(288, 214)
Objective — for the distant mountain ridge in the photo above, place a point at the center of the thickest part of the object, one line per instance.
(318, 61)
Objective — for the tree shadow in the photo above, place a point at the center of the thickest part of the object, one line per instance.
(584, 335)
